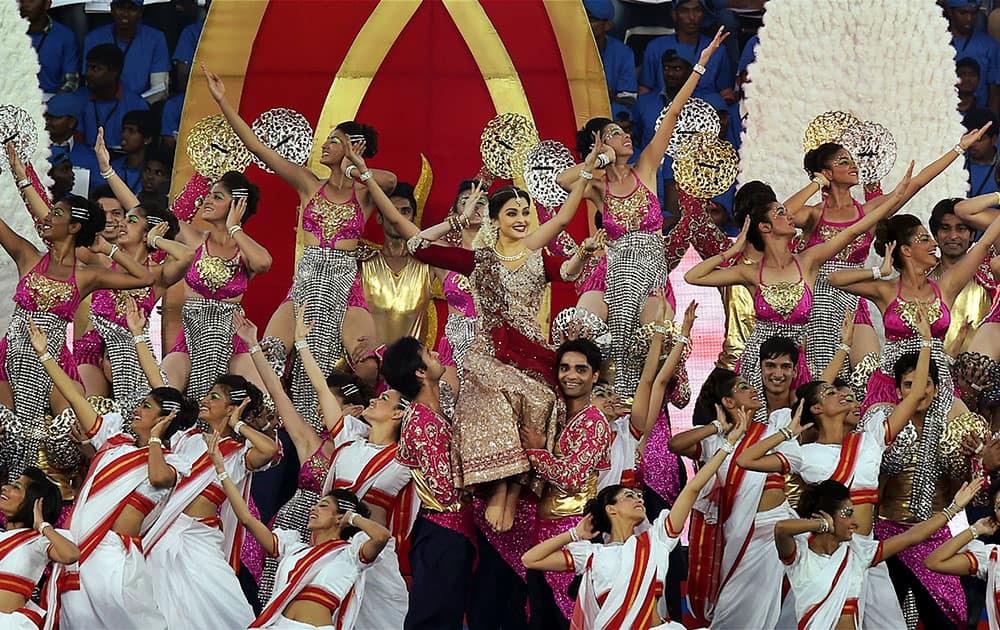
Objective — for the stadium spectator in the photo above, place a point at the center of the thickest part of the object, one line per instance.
(105, 100)
(58, 54)
(144, 48)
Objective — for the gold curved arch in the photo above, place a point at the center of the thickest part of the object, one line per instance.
(225, 46)
(584, 70)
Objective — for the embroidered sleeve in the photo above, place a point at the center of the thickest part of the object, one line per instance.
(455, 258)
(426, 444)
(585, 444)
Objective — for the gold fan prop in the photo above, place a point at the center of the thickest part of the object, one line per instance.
(214, 148)
(827, 127)
(505, 144)
(705, 165)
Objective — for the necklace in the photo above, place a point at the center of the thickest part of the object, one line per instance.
(517, 256)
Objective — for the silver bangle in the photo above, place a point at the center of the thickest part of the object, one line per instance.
(728, 447)
(786, 433)
(818, 183)
(43, 357)
(718, 427)
(143, 338)
(602, 160)
(350, 519)
(154, 440)
(113, 251)
(573, 535)
(700, 69)
(108, 174)
(846, 348)
(876, 273)
(255, 349)
(23, 183)
(234, 229)
(153, 242)
(222, 476)
(958, 149)
(824, 526)
(238, 428)
(585, 174)
(681, 339)
(347, 171)
(301, 344)
(972, 530)
(926, 343)
(45, 524)
(364, 177)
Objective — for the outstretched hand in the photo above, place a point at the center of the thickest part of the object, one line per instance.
(215, 85)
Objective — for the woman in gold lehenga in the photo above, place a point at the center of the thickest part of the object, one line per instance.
(509, 371)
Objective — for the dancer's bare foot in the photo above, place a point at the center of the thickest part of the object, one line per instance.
(496, 507)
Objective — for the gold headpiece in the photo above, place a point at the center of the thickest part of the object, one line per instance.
(705, 166)
(827, 127)
(214, 148)
(505, 143)
(287, 132)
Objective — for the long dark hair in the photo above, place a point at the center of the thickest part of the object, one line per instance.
(187, 410)
(39, 487)
(345, 498)
(718, 385)
(596, 507)
(899, 229)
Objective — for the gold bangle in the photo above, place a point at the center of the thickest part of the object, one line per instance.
(998, 198)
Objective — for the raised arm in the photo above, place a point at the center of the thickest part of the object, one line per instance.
(160, 473)
(39, 209)
(823, 251)
(548, 555)
(85, 413)
(303, 435)
(908, 406)
(962, 272)
(667, 370)
(922, 531)
(121, 190)
(685, 500)
(949, 558)
(867, 282)
(551, 228)
(61, 549)
(376, 191)
(937, 167)
(255, 255)
(136, 322)
(756, 456)
(264, 448)
(980, 211)
(451, 223)
(650, 158)
(708, 274)
(93, 277)
(20, 249)
(178, 261)
(246, 518)
(298, 177)
(687, 442)
(786, 531)
(378, 535)
(804, 216)
(641, 404)
(842, 353)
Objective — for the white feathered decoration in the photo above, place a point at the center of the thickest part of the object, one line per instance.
(888, 62)
(18, 86)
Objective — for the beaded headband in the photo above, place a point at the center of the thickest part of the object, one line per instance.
(170, 405)
(345, 505)
(240, 193)
(153, 220)
(238, 395)
(349, 389)
(81, 214)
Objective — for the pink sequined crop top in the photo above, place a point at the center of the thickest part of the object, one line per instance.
(38, 293)
(638, 211)
(313, 472)
(217, 278)
(857, 251)
(111, 304)
(901, 314)
(330, 222)
(783, 302)
(458, 294)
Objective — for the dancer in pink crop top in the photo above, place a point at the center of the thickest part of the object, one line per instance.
(783, 282)
(636, 268)
(334, 213)
(51, 287)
